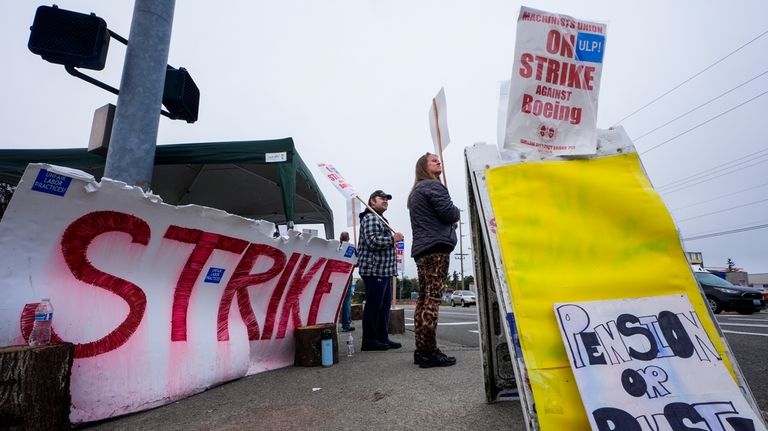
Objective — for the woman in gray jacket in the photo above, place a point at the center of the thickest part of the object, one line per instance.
(433, 223)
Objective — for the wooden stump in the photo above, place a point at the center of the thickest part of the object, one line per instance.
(34, 387)
(397, 321)
(308, 345)
(357, 312)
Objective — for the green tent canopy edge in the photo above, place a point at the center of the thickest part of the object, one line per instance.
(245, 178)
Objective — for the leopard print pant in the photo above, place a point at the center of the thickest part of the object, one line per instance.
(433, 270)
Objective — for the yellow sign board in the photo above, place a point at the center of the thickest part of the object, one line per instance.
(582, 230)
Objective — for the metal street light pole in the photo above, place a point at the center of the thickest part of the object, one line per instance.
(131, 153)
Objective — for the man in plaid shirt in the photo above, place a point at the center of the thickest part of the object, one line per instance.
(376, 260)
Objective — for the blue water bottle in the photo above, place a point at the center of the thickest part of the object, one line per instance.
(326, 347)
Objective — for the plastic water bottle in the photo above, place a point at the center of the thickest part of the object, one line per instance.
(41, 329)
(326, 348)
(350, 346)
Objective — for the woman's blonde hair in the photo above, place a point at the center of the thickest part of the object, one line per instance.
(422, 173)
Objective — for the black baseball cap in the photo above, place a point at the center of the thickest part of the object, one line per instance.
(381, 194)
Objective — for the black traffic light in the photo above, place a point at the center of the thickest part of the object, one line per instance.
(180, 94)
(69, 38)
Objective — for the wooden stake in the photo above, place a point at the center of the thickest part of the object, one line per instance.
(439, 141)
(354, 222)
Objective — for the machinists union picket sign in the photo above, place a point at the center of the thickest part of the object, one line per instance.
(555, 84)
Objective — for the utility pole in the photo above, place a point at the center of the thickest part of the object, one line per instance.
(460, 255)
(131, 153)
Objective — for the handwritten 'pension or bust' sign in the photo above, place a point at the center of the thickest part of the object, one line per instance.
(648, 364)
(555, 84)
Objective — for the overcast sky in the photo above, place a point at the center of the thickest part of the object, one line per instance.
(352, 82)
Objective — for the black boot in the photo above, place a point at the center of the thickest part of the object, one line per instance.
(432, 359)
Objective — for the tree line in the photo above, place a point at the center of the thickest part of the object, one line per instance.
(407, 285)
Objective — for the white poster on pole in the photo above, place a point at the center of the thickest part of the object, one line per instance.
(338, 181)
(353, 209)
(400, 256)
(438, 122)
(501, 116)
(647, 363)
(555, 84)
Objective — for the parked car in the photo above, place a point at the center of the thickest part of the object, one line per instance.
(724, 296)
(764, 291)
(465, 298)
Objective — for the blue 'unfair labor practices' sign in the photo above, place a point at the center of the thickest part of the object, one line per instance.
(49, 182)
(589, 47)
(648, 364)
(214, 275)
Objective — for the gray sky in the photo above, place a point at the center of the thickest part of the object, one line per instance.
(352, 81)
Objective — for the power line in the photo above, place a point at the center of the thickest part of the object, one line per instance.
(691, 78)
(710, 170)
(683, 187)
(725, 232)
(718, 197)
(715, 169)
(697, 107)
(705, 122)
(722, 210)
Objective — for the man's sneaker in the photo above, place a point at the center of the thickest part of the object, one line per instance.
(394, 345)
(350, 329)
(374, 346)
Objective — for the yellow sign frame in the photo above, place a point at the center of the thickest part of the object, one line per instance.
(581, 230)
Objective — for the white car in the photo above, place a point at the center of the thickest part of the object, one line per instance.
(465, 298)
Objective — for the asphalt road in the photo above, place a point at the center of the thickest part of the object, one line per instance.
(746, 335)
(386, 391)
(748, 338)
(457, 325)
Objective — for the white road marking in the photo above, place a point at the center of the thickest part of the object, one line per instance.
(447, 323)
(456, 313)
(744, 333)
(752, 325)
(735, 319)
(455, 323)
(459, 313)
(474, 330)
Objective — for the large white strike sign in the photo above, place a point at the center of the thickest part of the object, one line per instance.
(555, 84)
(648, 364)
(160, 301)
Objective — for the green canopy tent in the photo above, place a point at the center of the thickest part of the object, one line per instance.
(264, 180)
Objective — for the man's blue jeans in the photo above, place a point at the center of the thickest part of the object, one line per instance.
(346, 308)
(378, 301)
